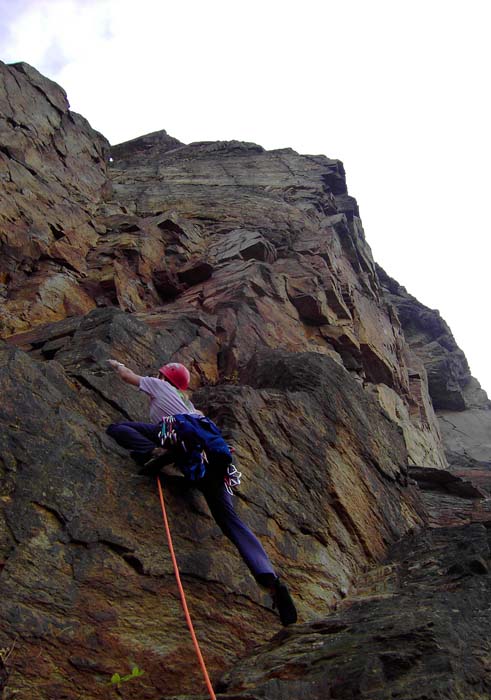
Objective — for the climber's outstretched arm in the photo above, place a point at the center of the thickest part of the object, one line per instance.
(125, 374)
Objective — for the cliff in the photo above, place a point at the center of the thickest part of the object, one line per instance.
(339, 392)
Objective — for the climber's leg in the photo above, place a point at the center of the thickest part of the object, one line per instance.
(139, 438)
(251, 550)
(222, 509)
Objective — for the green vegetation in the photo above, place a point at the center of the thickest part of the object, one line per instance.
(117, 680)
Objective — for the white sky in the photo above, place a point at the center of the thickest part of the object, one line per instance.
(396, 89)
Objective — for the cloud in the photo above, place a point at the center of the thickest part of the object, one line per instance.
(51, 33)
(9, 11)
(55, 58)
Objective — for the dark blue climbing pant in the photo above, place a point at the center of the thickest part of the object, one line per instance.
(141, 438)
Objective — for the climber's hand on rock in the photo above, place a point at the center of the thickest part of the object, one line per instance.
(115, 364)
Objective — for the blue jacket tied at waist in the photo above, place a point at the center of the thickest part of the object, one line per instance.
(195, 441)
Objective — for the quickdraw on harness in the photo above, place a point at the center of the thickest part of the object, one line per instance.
(196, 441)
(232, 478)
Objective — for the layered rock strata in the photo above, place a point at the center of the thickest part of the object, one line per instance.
(53, 176)
(266, 248)
(252, 268)
(462, 407)
(87, 581)
(417, 629)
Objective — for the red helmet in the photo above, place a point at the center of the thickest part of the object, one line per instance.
(177, 375)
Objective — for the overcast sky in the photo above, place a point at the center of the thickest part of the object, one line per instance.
(396, 89)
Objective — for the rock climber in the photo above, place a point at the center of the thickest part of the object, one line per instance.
(154, 444)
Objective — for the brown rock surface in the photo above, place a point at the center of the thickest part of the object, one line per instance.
(433, 344)
(52, 170)
(463, 408)
(268, 246)
(251, 267)
(451, 499)
(87, 582)
(417, 629)
(276, 257)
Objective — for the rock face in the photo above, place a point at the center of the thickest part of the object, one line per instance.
(252, 268)
(462, 407)
(404, 634)
(325, 505)
(52, 171)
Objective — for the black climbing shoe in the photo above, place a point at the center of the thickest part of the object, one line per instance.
(158, 458)
(283, 602)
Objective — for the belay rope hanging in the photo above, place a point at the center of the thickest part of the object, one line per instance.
(191, 437)
(183, 595)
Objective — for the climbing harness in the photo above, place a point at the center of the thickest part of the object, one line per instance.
(183, 595)
(196, 441)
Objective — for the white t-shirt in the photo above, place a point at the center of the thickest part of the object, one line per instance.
(165, 400)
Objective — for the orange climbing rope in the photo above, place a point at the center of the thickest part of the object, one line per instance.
(183, 595)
